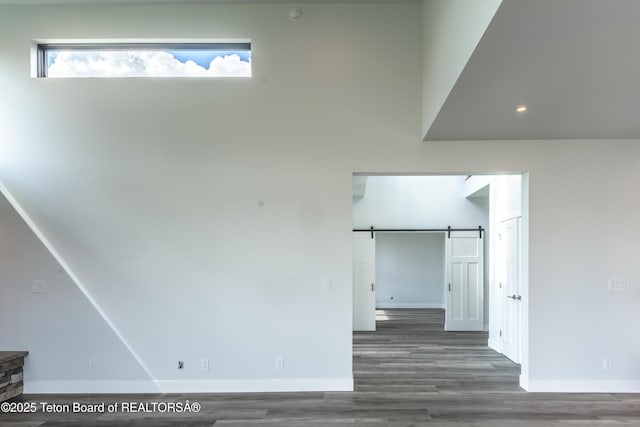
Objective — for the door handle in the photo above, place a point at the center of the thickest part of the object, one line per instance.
(449, 287)
(373, 287)
(513, 297)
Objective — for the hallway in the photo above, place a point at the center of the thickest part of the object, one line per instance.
(411, 352)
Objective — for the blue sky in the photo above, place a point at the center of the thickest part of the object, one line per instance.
(204, 57)
(200, 57)
(150, 62)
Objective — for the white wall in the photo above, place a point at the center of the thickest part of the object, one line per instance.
(452, 30)
(151, 191)
(416, 202)
(569, 264)
(410, 270)
(202, 216)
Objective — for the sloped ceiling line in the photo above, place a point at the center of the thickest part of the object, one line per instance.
(572, 62)
(452, 30)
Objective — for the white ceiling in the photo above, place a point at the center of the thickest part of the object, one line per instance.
(575, 63)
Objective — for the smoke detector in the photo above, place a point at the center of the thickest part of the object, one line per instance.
(295, 13)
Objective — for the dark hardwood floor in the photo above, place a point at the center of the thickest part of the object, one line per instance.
(408, 373)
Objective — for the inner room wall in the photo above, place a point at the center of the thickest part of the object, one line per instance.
(416, 202)
(410, 266)
(409, 270)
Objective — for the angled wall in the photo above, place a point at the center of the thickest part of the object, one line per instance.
(41, 309)
(451, 32)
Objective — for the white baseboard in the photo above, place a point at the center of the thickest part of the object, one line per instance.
(495, 345)
(596, 386)
(524, 378)
(90, 387)
(193, 386)
(391, 305)
(257, 385)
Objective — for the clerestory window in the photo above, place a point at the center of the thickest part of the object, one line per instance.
(74, 60)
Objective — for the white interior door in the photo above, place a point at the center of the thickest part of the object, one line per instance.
(509, 241)
(364, 270)
(465, 281)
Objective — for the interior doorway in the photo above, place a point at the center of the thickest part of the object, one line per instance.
(495, 280)
(509, 284)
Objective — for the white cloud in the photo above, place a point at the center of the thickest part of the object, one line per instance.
(142, 64)
(228, 66)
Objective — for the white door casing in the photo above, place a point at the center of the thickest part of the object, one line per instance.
(464, 254)
(364, 268)
(509, 277)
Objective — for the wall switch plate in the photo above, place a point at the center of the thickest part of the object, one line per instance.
(326, 284)
(619, 284)
(607, 364)
(37, 286)
(204, 364)
(280, 362)
(93, 364)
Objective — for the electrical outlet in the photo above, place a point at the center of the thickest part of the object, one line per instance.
(93, 364)
(607, 364)
(204, 364)
(280, 363)
(180, 364)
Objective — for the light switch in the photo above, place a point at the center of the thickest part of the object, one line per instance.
(619, 284)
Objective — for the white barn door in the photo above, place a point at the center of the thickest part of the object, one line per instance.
(364, 271)
(465, 281)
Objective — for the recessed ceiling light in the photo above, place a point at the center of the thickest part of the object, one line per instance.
(521, 108)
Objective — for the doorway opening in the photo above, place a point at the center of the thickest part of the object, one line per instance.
(479, 279)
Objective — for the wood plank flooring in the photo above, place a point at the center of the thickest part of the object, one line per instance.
(410, 373)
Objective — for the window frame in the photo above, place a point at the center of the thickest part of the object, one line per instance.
(42, 48)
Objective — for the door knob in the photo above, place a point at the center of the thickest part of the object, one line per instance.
(513, 297)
